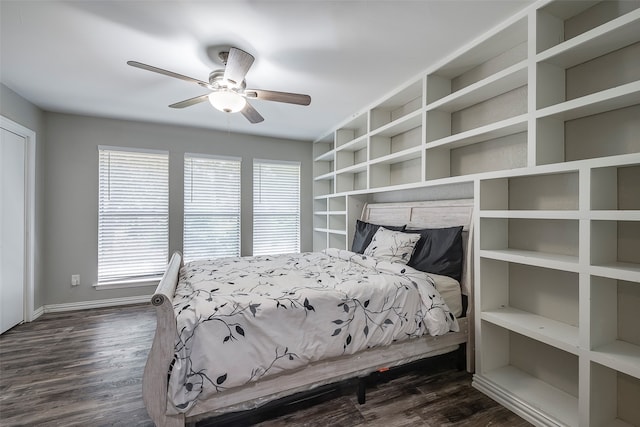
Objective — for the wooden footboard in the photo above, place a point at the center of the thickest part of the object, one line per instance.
(155, 379)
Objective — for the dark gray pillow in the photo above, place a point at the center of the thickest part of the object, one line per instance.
(439, 251)
(364, 233)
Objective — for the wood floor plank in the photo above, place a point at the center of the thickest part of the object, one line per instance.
(84, 368)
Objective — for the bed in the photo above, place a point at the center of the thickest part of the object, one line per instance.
(339, 354)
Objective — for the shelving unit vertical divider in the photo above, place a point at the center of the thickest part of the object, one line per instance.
(584, 255)
(584, 392)
(423, 150)
(477, 297)
(584, 296)
(532, 82)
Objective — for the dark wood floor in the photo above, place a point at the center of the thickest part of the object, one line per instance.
(84, 368)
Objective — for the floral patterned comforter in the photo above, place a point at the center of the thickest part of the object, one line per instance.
(241, 319)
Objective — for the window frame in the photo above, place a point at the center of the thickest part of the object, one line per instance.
(152, 276)
(298, 214)
(186, 256)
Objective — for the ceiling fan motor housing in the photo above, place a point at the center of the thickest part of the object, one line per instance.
(217, 80)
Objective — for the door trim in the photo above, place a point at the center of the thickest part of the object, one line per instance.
(30, 217)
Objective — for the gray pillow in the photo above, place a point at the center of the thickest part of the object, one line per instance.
(439, 251)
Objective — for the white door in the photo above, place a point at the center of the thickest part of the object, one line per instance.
(12, 229)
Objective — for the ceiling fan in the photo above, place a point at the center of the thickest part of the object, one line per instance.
(228, 92)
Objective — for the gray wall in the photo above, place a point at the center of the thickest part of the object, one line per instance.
(66, 204)
(17, 109)
(71, 196)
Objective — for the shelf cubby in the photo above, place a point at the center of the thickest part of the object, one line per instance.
(614, 335)
(582, 22)
(352, 154)
(502, 153)
(323, 146)
(540, 303)
(504, 81)
(437, 163)
(323, 185)
(469, 114)
(404, 102)
(588, 133)
(354, 145)
(323, 167)
(396, 171)
(327, 156)
(617, 252)
(536, 239)
(320, 220)
(616, 188)
(337, 204)
(500, 107)
(352, 180)
(620, 33)
(319, 240)
(320, 205)
(618, 68)
(492, 131)
(554, 191)
(617, 396)
(480, 66)
(396, 139)
(517, 368)
(337, 221)
(507, 152)
(337, 239)
(354, 129)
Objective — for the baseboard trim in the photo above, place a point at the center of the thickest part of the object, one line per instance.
(85, 305)
(510, 401)
(37, 313)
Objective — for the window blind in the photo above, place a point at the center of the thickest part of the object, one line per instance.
(211, 207)
(276, 207)
(133, 214)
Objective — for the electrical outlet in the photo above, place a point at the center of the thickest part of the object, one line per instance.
(75, 279)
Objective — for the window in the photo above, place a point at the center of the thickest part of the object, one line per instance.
(276, 207)
(211, 207)
(133, 214)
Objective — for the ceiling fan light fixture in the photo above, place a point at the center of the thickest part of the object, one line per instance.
(227, 101)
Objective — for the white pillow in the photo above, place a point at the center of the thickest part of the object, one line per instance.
(394, 246)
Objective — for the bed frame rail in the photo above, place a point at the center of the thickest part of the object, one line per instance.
(155, 379)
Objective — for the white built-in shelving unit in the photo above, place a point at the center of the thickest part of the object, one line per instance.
(542, 117)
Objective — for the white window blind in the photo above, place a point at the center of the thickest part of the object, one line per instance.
(276, 207)
(211, 207)
(133, 214)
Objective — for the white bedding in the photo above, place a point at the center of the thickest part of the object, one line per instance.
(241, 319)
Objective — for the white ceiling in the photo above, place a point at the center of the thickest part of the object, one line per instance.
(70, 56)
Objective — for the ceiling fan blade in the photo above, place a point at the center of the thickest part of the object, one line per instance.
(167, 73)
(238, 64)
(251, 114)
(190, 102)
(271, 95)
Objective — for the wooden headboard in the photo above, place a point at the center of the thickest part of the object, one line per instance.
(436, 214)
(431, 214)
